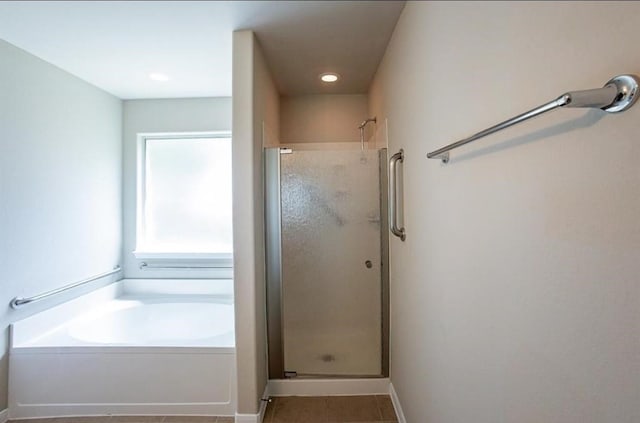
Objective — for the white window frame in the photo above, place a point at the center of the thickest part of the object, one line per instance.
(213, 260)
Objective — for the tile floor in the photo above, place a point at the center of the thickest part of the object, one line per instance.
(352, 409)
(132, 419)
(361, 409)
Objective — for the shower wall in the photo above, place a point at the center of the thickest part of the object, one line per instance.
(321, 118)
(331, 312)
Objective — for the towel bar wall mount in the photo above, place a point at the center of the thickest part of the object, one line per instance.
(617, 95)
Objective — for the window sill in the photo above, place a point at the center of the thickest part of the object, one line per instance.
(181, 256)
(206, 260)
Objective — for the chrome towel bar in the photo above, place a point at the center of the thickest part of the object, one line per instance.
(393, 195)
(619, 94)
(20, 301)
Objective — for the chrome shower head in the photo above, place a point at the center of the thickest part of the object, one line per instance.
(364, 122)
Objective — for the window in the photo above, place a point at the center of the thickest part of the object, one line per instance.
(184, 197)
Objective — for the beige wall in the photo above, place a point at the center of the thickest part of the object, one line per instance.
(60, 186)
(322, 118)
(255, 105)
(515, 297)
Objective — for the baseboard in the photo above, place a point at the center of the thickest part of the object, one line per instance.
(263, 404)
(247, 418)
(324, 387)
(254, 418)
(4, 415)
(396, 404)
(84, 410)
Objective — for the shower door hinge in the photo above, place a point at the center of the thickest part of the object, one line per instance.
(288, 374)
(284, 150)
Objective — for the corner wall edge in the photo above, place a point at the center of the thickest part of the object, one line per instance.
(396, 404)
(250, 418)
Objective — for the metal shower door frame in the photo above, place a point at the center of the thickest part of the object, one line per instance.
(273, 262)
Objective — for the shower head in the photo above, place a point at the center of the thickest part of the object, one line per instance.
(361, 128)
(364, 122)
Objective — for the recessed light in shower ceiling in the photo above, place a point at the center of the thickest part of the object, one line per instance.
(329, 77)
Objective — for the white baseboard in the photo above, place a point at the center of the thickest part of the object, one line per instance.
(49, 411)
(4, 415)
(264, 404)
(247, 418)
(396, 404)
(324, 387)
(254, 418)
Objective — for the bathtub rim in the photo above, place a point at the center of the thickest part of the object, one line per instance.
(121, 349)
(22, 332)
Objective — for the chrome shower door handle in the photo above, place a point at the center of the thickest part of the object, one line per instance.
(393, 194)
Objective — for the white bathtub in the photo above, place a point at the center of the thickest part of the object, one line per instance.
(148, 347)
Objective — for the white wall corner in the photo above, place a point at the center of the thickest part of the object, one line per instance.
(251, 418)
(4, 415)
(396, 404)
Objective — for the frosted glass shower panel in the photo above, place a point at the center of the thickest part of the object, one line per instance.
(331, 284)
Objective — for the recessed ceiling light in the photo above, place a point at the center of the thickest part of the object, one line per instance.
(157, 76)
(329, 77)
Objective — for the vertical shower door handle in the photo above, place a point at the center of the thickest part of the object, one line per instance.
(393, 194)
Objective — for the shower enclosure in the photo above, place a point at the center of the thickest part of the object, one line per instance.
(327, 272)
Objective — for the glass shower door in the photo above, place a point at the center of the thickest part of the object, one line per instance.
(331, 263)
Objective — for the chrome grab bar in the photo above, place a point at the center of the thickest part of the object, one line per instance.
(145, 266)
(20, 301)
(393, 195)
(619, 94)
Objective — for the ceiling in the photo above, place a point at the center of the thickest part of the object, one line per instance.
(115, 45)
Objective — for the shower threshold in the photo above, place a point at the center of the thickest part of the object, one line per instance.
(289, 375)
(327, 386)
